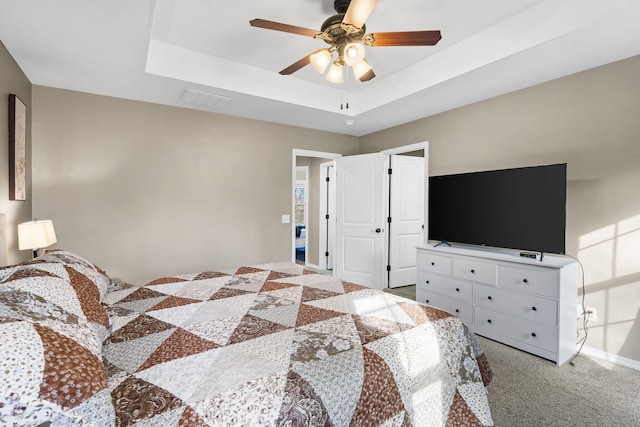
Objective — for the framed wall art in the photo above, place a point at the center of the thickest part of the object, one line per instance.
(17, 149)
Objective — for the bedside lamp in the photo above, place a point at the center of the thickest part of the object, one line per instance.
(36, 235)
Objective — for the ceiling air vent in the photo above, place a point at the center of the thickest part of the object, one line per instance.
(204, 99)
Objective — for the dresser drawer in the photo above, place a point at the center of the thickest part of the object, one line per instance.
(532, 333)
(434, 263)
(539, 281)
(528, 307)
(461, 309)
(447, 286)
(477, 271)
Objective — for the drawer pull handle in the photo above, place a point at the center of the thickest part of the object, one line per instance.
(533, 334)
(473, 271)
(457, 310)
(457, 289)
(526, 280)
(426, 281)
(489, 321)
(490, 297)
(433, 263)
(534, 308)
(427, 301)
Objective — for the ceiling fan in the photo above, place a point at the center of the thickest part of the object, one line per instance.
(346, 35)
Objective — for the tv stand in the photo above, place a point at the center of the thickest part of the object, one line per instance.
(526, 303)
(443, 242)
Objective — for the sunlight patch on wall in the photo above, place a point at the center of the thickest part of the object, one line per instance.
(611, 252)
(598, 261)
(627, 259)
(623, 313)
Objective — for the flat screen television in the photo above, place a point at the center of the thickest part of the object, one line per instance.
(521, 208)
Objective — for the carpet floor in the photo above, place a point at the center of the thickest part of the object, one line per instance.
(530, 391)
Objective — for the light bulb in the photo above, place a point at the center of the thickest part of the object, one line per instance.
(320, 59)
(353, 53)
(335, 73)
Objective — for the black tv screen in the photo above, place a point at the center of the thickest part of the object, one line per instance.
(522, 208)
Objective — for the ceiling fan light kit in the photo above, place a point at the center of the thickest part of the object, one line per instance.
(345, 32)
(353, 54)
(336, 73)
(320, 60)
(361, 68)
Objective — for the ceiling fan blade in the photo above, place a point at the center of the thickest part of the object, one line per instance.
(367, 76)
(296, 66)
(407, 38)
(358, 12)
(271, 25)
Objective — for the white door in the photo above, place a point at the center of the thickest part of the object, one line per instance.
(360, 220)
(406, 210)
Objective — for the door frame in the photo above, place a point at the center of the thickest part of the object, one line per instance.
(295, 153)
(404, 149)
(305, 184)
(408, 149)
(327, 207)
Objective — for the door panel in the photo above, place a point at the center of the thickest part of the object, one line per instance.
(406, 207)
(360, 213)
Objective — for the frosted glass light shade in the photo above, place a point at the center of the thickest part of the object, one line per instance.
(320, 60)
(361, 68)
(36, 234)
(358, 15)
(353, 53)
(335, 74)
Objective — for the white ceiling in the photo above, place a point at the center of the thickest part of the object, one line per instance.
(156, 50)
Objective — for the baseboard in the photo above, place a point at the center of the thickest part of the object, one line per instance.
(610, 357)
(313, 266)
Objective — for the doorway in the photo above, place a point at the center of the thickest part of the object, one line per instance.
(316, 241)
(301, 218)
(397, 253)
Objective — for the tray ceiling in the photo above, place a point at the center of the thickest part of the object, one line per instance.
(156, 51)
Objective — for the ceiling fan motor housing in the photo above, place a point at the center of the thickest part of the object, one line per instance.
(333, 31)
(341, 6)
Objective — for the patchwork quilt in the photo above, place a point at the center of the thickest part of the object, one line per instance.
(280, 345)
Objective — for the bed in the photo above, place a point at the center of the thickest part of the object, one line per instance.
(266, 345)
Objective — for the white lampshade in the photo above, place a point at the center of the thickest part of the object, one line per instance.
(335, 74)
(36, 234)
(320, 60)
(353, 53)
(361, 68)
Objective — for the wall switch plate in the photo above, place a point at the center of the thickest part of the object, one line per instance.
(286, 219)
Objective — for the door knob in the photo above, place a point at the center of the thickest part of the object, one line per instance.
(379, 230)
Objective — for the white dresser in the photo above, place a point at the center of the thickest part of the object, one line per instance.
(521, 302)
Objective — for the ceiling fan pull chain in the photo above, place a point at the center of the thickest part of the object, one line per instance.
(347, 91)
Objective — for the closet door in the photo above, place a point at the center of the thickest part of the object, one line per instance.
(360, 219)
(406, 210)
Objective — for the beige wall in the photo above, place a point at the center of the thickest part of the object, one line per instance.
(146, 190)
(13, 81)
(591, 121)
